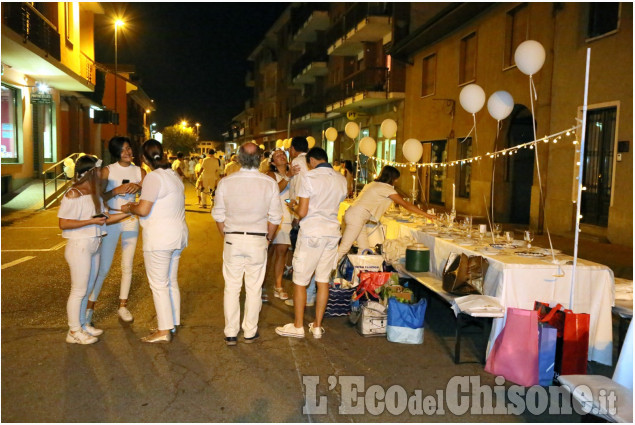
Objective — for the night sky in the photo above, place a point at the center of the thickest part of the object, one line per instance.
(191, 58)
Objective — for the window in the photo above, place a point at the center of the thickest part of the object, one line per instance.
(603, 18)
(516, 31)
(464, 169)
(437, 175)
(467, 61)
(48, 134)
(428, 75)
(69, 21)
(9, 147)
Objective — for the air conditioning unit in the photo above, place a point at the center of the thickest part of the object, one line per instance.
(105, 117)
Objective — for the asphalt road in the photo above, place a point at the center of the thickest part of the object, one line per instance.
(196, 378)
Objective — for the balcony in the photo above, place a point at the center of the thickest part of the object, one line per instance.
(308, 112)
(364, 22)
(249, 80)
(310, 65)
(306, 20)
(31, 45)
(366, 88)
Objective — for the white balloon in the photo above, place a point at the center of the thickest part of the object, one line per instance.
(311, 141)
(352, 130)
(412, 150)
(331, 134)
(389, 128)
(500, 104)
(529, 57)
(472, 98)
(367, 146)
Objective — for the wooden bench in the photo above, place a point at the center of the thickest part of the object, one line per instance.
(434, 286)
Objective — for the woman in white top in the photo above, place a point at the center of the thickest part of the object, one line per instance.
(372, 203)
(161, 207)
(120, 182)
(81, 225)
(279, 170)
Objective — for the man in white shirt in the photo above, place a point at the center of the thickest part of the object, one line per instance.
(247, 212)
(210, 173)
(320, 193)
(177, 165)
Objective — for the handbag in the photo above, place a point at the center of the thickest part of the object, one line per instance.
(463, 275)
(345, 269)
(572, 347)
(405, 321)
(547, 338)
(515, 351)
(372, 319)
(365, 263)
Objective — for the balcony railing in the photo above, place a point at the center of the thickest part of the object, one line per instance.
(357, 13)
(366, 80)
(307, 59)
(87, 66)
(311, 106)
(301, 14)
(33, 26)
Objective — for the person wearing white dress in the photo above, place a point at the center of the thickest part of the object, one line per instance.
(281, 243)
(161, 209)
(120, 182)
(82, 222)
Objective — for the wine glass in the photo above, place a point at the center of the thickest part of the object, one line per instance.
(509, 237)
(529, 238)
(497, 229)
(482, 230)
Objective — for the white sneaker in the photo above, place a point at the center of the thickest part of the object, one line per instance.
(80, 337)
(289, 302)
(317, 332)
(92, 331)
(124, 314)
(290, 330)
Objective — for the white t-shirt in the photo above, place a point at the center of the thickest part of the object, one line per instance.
(116, 175)
(246, 200)
(326, 189)
(374, 198)
(297, 179)
(284, 195)
(164, 228)
(80, 208)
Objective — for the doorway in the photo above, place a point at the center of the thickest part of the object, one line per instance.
(519, 168)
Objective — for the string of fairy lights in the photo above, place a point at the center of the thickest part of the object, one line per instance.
(553, 138)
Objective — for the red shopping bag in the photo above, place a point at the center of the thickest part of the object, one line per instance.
(369, 284)
(515, 351)
(572, 348)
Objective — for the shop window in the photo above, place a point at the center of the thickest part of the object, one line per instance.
(464, 169)
(516, 31)
(428, 75)
(467, 61)
(603, 19)
(9, 147)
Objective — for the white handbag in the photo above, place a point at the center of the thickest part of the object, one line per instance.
(373, 319)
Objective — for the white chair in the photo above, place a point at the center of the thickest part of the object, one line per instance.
(621, 386)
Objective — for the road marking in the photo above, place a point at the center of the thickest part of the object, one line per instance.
(55, 248)
(16, 262)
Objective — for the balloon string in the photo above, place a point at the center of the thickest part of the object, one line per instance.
(542, 196)
(498, 127)
(532, 87)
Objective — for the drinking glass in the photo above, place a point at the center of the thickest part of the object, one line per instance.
(497, 229)
(509, 237)
(482, 230)
(529, 238)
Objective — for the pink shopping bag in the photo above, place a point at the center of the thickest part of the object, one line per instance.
(515, 351)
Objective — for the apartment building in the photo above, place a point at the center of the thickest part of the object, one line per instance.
(455, 44)
(47, 58)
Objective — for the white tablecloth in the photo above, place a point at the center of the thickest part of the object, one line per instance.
(519, 281)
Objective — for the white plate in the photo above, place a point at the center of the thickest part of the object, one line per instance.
(465, 242)
(491, 252)
(547, 251)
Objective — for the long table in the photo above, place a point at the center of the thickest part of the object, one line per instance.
(519, 281)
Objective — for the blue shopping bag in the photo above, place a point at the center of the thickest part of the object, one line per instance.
(547, 337)
(405, 321)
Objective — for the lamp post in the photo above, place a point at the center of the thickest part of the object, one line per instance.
(118, 23)
(197, 129)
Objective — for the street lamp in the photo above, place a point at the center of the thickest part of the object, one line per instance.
(118, 23)
(197, 129)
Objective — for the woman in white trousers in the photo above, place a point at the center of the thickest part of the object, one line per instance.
(371, 204)
(161, 207)
(120, 182)
(82, 222)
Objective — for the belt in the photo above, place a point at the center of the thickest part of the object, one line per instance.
(246, 233)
